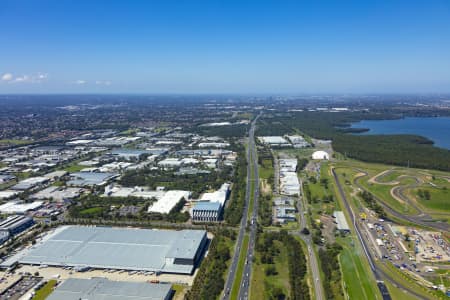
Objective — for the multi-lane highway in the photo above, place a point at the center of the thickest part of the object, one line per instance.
(252, 169)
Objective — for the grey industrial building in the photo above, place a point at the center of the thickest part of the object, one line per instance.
(104, 289)
(207, 212)
(341, 222)
(16, 224)
(90, 178)
(131, 249)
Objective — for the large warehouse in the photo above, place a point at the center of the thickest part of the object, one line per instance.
(102, 289)
(134, 249)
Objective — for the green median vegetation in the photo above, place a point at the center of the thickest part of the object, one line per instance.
(239, 269)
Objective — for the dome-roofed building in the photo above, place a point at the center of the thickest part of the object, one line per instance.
(320, 155)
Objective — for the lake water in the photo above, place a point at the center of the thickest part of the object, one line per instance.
(435, 129)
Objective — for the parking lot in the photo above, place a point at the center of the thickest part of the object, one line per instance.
(64, 273)
(20, 288)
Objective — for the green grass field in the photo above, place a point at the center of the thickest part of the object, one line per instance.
(266, 169)
(396, 293)
(14, 142)
(358, 279)
(239, 270)
(74, 168)
(384, 193)
(389, 177)
(439, 200)
(438, 203)
(45, 291)
(280, 280)
(91, 211)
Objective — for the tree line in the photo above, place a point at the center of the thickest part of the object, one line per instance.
(209, 282)
(403, 150)
(233, 213)
(328, 257)
(268, 249)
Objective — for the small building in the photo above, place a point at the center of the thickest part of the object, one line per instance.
(19, 207)
(220, 195)
(6, 178)
(130, 154)
(7, 194)
(98, 288)
(29, 183)
(90, 178)
(320, 155)
(341, 222)
(213, 145)
(16, 224)
(278, 141)
(170, 163)
(285, 214)
(207, 212)
(4, 236)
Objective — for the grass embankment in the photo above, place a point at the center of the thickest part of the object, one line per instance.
(45, 291)
(358, 279)
(239, 269)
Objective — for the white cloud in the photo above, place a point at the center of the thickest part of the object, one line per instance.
(103, 82)
(26, 78)
(80, 82)
(7, 77)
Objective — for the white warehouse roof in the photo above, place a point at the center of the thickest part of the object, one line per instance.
(18, 207)
(168, 201)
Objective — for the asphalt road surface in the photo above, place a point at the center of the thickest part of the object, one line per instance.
(251, 168)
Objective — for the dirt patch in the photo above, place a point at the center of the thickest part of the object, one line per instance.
(328, 228)
(265, 187)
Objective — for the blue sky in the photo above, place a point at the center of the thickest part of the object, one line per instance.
(225, 46)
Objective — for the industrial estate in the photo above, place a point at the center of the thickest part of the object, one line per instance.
(248, 198)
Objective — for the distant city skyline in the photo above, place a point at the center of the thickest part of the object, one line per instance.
(229, 47)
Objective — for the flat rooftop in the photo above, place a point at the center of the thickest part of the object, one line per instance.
(104, 289)
(167, 251)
